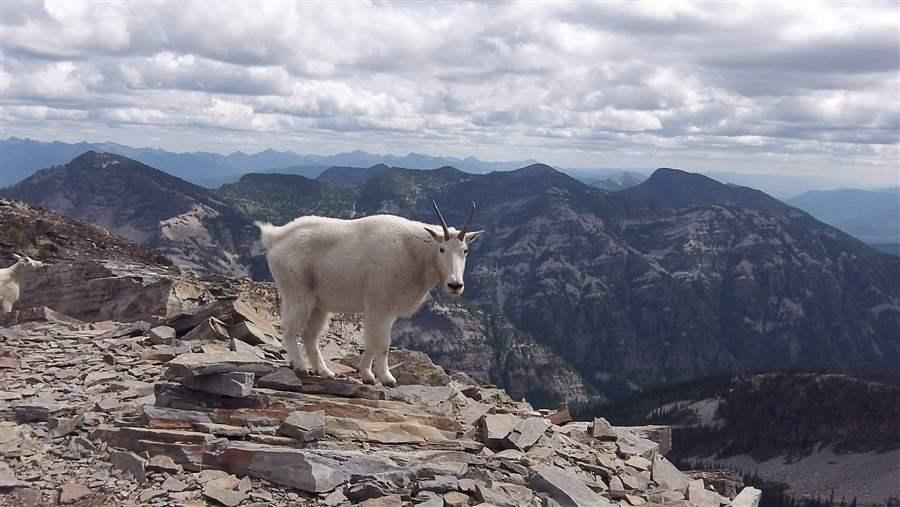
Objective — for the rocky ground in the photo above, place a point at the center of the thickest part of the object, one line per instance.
(127, 382)
(200, 409)
(46, 235)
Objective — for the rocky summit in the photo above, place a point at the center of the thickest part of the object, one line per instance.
(190, 401)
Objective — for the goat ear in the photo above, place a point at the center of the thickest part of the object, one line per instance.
(470, 236)
(437, 237)
(17, 256)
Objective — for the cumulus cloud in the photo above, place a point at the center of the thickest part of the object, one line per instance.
(802, 85)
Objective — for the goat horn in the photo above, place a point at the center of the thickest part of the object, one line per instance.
(443, 222)
(462, 233)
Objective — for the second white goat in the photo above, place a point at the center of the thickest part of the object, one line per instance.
(11, 279)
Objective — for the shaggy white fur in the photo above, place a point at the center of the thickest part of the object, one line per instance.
(11, 279)
(382, 266)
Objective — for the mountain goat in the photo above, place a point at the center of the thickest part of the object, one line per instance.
(11, 279)
(382, 266)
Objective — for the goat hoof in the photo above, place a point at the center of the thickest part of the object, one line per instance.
(367, 377)
(303, 372)
(327, 374)
(389, 382)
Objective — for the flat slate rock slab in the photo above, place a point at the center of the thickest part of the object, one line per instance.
(251, 333)
(196, 364)
(526, 433)
(186, 322)
(565, 488)
(234, 384)
(305, 470)
(496, 427)
(384, 432)
(305, 426)
(284, 379)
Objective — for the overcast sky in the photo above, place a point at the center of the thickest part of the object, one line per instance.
(771, 87)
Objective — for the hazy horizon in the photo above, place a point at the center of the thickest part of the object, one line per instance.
(777, 89)
(769, 183)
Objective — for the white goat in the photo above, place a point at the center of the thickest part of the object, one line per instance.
(382, 266)
(11, 279)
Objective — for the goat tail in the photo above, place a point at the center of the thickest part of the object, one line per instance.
(266, 233)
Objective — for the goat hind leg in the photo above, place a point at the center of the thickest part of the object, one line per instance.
(314, 326)
(294, 318)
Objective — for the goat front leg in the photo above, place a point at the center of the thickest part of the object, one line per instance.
(377, 335)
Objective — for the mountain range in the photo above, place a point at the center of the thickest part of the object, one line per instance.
(574, 291)
(19, 158)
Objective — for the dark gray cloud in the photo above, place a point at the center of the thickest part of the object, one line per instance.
(795, 87)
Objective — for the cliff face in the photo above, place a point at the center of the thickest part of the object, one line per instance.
(478, 344)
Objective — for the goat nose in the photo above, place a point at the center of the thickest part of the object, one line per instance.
(455, 285)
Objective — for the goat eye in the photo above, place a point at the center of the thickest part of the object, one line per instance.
(442, 249)
(465, 252)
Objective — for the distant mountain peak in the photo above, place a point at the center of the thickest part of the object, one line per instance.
(448, 168)
(675, 188)
(535, 170)
(86, 156)
(669, 174)
(664, 177)
(263, 177)
(95, 159)
(349, 176)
